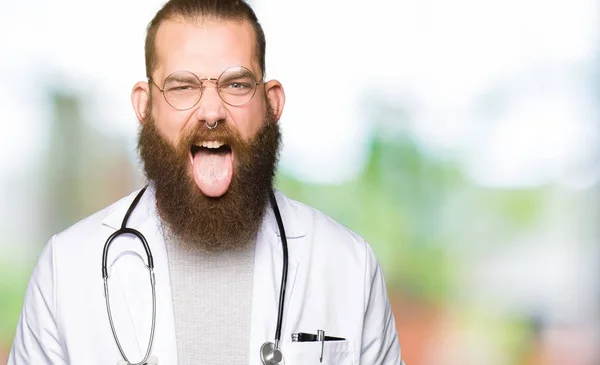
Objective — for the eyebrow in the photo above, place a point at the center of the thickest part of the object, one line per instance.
(239, 73)
(183, 78)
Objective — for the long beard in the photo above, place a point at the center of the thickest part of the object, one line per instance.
(228, 222)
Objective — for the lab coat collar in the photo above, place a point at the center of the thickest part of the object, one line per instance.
(291, 222)
(147, 205)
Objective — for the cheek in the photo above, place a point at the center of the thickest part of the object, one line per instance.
(249, 120)
(170, 123)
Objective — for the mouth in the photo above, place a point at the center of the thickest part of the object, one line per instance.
(209, 147)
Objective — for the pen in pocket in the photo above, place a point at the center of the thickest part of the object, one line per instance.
(319, 337)
(309, 337)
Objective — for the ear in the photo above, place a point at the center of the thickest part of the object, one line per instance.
(276, 95)
(139, 99)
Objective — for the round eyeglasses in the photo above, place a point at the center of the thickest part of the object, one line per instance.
(183, 89)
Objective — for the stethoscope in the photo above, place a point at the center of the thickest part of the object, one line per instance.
(270, 354)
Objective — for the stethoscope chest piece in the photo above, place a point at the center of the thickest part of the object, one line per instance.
(270, 355)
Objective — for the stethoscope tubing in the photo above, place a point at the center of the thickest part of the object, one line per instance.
(112, 325)
(284, 270)
(124, 230)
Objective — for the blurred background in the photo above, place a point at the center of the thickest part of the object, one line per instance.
(460, 138)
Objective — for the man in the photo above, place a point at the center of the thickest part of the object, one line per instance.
(209, 142)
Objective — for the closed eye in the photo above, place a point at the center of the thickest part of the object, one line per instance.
(183, 88)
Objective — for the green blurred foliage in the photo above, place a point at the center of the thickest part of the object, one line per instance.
(393, 204)
(13, 282)
(418, 213)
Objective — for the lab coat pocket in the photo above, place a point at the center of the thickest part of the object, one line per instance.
(309, 353)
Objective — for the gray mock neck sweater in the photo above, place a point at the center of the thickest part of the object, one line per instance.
(212, 303)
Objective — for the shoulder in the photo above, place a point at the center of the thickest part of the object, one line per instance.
(320, 229)
(71, 255)
(333, 251)
(90, 225)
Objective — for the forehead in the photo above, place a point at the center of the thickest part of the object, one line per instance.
(206, 47)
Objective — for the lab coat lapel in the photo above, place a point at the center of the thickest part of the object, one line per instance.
(132, 302)
(268, 264)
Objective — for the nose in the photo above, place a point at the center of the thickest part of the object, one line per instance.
(211, 108)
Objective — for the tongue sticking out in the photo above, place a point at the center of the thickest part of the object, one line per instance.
(212, 171)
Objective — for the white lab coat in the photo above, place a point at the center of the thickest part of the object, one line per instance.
(334, 284)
